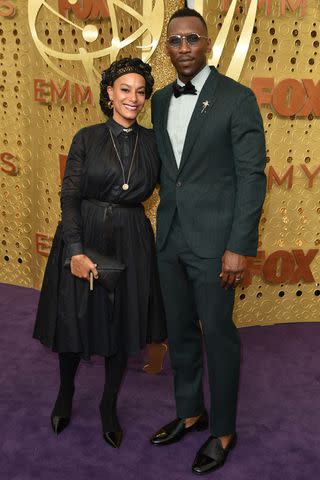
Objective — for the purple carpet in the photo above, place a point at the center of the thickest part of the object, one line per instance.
(278, 416)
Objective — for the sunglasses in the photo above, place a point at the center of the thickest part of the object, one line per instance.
(192, 39)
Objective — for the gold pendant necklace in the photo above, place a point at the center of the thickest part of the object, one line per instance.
(125, 185)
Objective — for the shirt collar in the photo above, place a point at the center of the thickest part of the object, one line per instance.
(117, 129)
(199, 80)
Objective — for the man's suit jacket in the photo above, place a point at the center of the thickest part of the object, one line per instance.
(219, 187)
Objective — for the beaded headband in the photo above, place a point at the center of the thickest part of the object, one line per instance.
(116, 70)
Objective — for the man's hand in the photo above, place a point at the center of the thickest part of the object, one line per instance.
(81, 266)
(233, 266)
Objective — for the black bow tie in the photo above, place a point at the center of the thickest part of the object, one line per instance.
(187, 89)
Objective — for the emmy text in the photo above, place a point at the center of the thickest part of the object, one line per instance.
(49, 92)
(287, 178)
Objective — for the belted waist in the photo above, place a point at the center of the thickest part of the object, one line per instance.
(108, 208)
(110, 205)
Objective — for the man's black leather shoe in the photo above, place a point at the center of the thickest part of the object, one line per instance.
(113, 438)
(212, 455)
(174, 431)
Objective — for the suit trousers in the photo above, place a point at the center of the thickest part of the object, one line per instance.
(191, 292)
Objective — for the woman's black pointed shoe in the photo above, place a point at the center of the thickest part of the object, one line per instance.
(113, 438)
(61, 413)
(59, 423)
(111, 429)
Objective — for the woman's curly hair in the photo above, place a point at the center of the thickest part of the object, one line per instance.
(116, 70)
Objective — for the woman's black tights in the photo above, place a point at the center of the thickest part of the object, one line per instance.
(68, 364)
(115, 367)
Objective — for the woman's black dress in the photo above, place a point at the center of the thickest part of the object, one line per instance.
(98, 213)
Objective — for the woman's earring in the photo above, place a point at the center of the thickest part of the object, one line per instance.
(110, 104)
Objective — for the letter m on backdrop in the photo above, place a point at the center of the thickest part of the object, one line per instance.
(293, 5)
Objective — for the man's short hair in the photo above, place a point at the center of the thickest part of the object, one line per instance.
(188, 12)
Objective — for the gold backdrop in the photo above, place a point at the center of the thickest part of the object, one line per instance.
(52, 51)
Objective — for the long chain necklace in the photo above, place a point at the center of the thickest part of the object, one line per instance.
(125, 185)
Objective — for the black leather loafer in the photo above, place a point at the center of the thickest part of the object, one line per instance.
(113, 438)
(212, 455)
(174, 431)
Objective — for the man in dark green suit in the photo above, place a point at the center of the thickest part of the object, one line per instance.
(211, 142)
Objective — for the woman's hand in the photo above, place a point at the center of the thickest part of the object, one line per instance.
(81, 266)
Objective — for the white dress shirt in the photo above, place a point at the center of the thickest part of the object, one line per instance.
(180, 112)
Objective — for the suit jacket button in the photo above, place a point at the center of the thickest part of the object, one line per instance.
(179, 184)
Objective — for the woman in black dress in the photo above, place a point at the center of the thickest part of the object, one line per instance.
(111, 169)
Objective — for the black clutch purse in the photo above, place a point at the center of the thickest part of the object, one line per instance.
(109, 269)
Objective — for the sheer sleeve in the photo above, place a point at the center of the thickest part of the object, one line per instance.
(71, 196)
